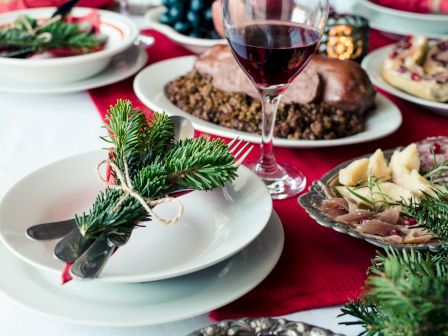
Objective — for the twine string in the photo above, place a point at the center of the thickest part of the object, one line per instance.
(128, 189)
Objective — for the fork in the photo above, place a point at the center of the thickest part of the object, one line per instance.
(48, 231)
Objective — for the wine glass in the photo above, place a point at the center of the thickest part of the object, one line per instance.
(273, 40)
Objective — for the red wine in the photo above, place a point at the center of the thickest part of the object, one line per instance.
(273, 53)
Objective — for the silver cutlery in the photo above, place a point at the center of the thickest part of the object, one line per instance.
(90, 264)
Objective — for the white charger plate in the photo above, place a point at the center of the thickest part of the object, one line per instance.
(121, 67)
(373, 64)
(384, 120)
(400, 22)
(214, 226)
(128, 305)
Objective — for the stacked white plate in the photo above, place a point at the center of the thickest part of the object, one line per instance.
(227, 241)
(120, 58)
(397, 22)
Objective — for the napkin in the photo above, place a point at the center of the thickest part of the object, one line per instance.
(416, 6)
(318, 267)
(10, 5)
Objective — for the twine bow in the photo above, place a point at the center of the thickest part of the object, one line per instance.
(126, 186)
(45, 36)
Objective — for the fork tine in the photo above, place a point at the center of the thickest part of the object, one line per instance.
(232, 142)
(241, 150)
(231, 150)
(244, 156)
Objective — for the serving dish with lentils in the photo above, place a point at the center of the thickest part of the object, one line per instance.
(194, 93)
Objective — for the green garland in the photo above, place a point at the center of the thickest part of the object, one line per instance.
(156, 166)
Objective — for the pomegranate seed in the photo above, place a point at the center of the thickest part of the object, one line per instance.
(437, 148)
(408, 37)
(410, 221)
(416, 77)
(402, 69)
(394, 55)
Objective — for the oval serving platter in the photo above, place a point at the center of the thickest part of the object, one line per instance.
(316, 195)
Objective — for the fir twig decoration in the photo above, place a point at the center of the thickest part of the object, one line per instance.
(26, 33)
(156, 166)
(406, 294)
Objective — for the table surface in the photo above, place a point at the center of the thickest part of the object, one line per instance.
(38, 129)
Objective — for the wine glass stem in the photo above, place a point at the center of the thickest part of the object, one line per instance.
(270, 100)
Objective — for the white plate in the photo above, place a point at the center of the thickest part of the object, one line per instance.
(121, 32)
(127, 305)
(149, 87)
(400, 22)
(214, 225)
(195, 45)
(122, 66)
(373, 64)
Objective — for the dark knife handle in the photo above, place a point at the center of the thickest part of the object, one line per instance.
(71, 247)
(93, 260)
(52, 230)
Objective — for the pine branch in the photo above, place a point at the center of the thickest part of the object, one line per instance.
(157, 165)
(406, 294)
(63, 35)
(200, 164)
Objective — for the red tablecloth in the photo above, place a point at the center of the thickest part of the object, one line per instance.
(319, 267)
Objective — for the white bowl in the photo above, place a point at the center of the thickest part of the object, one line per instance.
(121, 33)
(195, 45)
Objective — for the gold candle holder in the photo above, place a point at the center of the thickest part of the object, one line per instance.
(345, 37)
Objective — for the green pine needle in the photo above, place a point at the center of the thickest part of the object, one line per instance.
(406, 293)
(157, 166)
(430, 211)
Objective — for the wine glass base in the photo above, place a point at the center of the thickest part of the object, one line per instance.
(283, 181)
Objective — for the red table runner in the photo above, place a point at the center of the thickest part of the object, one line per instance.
(319, 267)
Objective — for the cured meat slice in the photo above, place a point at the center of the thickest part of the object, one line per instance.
(391, 215)
(378, 227)
(355, 217)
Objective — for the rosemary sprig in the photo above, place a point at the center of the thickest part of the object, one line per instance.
(374, 187)
(156, 164)
(27, 33)
(406, 293)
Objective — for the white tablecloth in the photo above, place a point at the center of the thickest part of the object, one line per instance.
(38, 129)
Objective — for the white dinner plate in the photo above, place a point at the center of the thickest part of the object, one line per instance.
(149, 87)
(127, 305)
(214, 226)
(122, 66)
(400, 22)
(373, 64)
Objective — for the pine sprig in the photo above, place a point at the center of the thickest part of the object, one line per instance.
(200, 164)
(406, 293)
(157, 166)
(54, 35)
